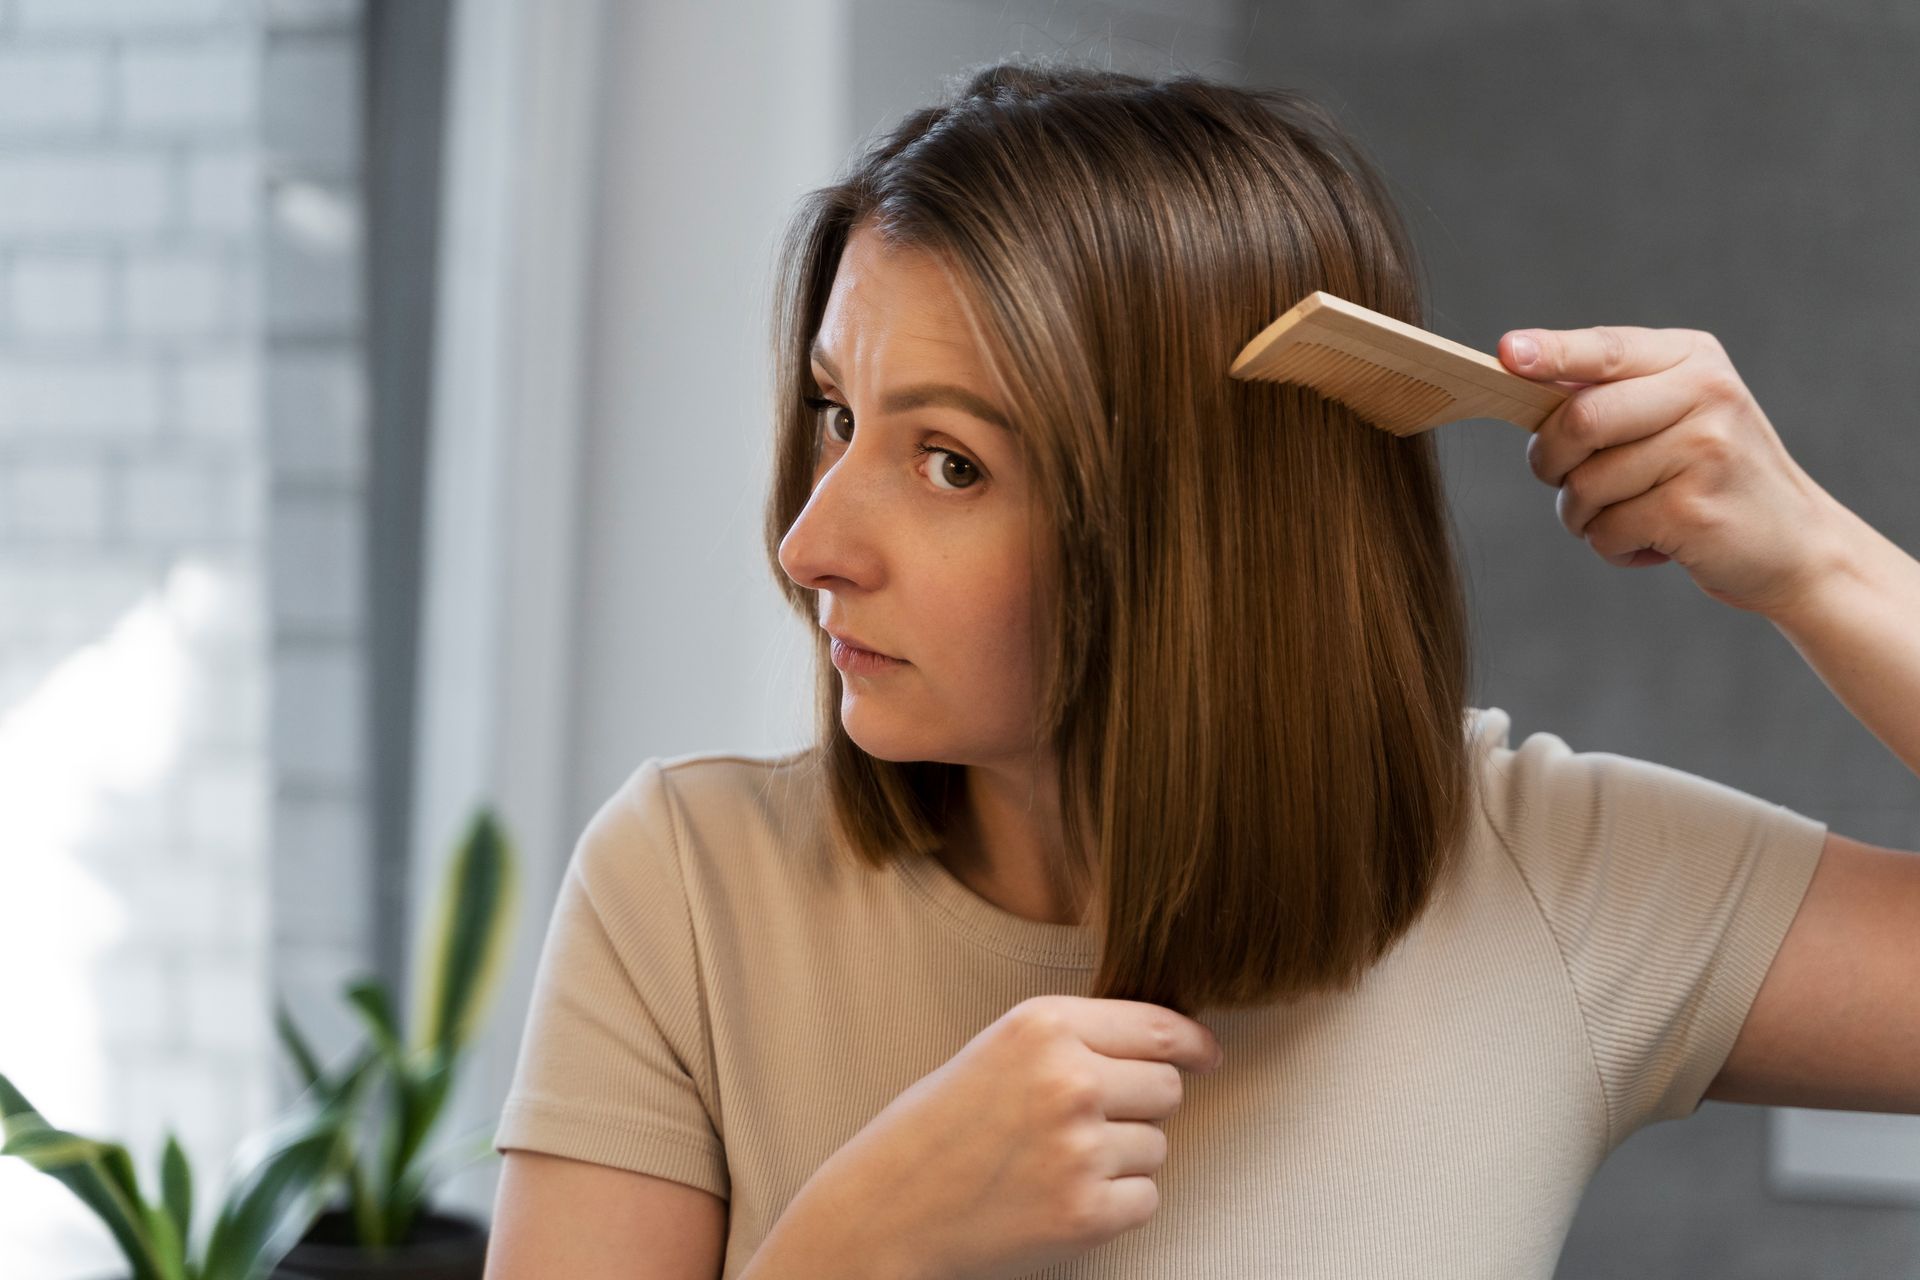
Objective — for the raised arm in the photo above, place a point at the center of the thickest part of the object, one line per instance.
(1837, 1021)
(1664, 455)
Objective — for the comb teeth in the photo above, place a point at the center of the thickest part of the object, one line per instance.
(1395, 402)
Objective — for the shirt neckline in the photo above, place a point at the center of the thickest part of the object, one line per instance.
(962, 911)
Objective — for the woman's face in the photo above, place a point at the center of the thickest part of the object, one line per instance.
(916, 536)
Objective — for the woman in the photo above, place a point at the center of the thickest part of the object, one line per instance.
(1143, 692)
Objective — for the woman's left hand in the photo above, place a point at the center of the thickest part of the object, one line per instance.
(1662, 454)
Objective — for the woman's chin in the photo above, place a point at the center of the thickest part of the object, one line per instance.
(880, 741)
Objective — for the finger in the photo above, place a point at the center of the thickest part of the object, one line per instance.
(1134, 1148)
(1630, 533)
(1136, 1090)
(1605, 415)
(1613, 476)
(1598, 354)
(1141, 1029)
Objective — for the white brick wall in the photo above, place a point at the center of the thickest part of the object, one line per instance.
(202, 86)
(127, 17)
(222, 190)
(174, 496)
(54, 501)
(180, 293)
(61, 295)
(57, 395)
(51, 88)
(136, 643)
(84, 192)
(218, 396)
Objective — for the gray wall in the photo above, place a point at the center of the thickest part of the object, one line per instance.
(1709, 166)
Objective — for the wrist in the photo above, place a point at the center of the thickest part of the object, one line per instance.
(1851, 560)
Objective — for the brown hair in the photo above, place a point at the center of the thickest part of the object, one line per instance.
(1257, 684)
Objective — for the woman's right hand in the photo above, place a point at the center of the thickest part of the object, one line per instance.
(1035, 1143)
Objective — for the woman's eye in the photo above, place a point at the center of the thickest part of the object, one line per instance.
(819, 405)
(968, 471)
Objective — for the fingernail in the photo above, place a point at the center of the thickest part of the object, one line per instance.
(1525, 350)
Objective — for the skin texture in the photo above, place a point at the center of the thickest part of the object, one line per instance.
(927, 557)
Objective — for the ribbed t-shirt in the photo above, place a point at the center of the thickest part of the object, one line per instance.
(724, 999)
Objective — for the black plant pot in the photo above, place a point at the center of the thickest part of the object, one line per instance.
(441, 1247)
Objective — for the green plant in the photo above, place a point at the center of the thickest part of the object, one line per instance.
(266, 1211)
(388, 1178)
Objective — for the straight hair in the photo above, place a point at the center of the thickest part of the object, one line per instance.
(1257, 683)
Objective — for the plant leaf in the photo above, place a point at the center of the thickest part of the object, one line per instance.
(118, 1165)
(289, 1172)
(14, 1107)
(423, 1091)
(356, 1075)
(170, 1251)
(368, 1220)
(82, 1165)
(297, 1047)
(472, 924)
(369, 997)
(176, 1191)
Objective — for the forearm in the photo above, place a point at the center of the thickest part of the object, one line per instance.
(1859, 628)
(818, 1237)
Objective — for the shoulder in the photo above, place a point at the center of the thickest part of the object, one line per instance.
(692, 809)
(733, 798)
(706, 780)
(1543, 790)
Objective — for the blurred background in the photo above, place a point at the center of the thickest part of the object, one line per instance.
(384, 406)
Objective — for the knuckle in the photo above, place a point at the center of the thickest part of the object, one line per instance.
(1075, 1089)
(1038, 1017)
(1539, 458)
(1721, 385)
(1165, 1035)
(1085, 1213)
(1581, 421)
(1707, 343)
(1173, 1087)
(1691, 509)
(1613, 349)
(1078, 1146)
(1575, 485)
(1553, 349)
(1714, 443)
(1598, 533)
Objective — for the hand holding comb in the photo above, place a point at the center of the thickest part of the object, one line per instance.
(1399, 378)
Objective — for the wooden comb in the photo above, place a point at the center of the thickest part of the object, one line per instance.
(1397, 377)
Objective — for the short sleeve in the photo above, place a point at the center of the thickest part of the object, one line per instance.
(1668, 895)
(616, 1064)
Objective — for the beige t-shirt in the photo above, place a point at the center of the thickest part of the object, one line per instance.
(724, 1000)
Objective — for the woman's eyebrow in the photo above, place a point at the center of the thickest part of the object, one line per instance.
(902, 399)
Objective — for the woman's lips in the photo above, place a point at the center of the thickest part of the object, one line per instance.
(863, 662)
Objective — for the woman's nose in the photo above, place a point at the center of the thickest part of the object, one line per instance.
(832, 537)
